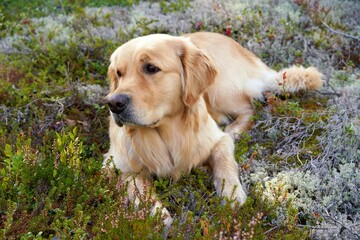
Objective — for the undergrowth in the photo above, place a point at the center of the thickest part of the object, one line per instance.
(299, 163)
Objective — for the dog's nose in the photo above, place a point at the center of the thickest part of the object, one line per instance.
(118, 103)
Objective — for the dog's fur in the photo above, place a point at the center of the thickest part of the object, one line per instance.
(177, 90)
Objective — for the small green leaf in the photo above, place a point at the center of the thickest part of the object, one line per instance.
(8, 150)
(59, 142)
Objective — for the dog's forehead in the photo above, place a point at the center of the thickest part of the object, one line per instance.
(155, 43)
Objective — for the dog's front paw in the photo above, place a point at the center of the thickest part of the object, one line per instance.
(167, 219)
(165, 215)
(235, 194)
(239, 195)
(234, 134)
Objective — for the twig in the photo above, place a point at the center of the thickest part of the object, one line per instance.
(314, 227)
(271, 229)
(330, 93)
(340, 33)
(340, 223)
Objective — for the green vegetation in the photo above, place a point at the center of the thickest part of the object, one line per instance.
(299, 163)
(16, 10)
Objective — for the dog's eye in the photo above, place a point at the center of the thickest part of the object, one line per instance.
(151, 69)
(118, 73)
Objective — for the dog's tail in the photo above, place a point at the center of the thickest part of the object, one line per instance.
(294, 79)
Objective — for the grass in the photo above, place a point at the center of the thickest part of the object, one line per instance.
(299, 163)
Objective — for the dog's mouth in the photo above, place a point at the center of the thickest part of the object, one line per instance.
(121, 121)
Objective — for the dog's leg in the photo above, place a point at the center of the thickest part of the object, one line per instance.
(241, 123)
(225, 171)
(138, 185)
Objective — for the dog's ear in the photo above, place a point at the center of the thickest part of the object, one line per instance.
(198, 73)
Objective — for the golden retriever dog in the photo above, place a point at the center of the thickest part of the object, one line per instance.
(168, 95)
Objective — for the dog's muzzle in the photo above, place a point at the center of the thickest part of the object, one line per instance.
(122, 111)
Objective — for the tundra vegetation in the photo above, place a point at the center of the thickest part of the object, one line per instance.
(299, 162)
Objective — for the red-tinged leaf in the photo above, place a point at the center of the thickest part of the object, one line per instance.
(228, 32)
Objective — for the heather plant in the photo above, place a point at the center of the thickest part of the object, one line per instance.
(299, 163)
(174, 6)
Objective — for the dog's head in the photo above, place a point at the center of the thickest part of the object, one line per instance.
(154, 77)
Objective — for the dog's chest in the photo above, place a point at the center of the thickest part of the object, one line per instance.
(170, 154)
